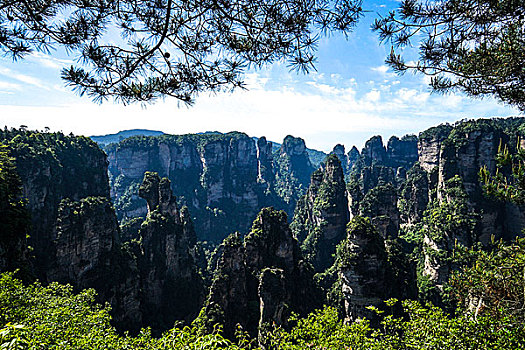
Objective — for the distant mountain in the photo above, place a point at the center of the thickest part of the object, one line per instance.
(316, 157)
(121, 135)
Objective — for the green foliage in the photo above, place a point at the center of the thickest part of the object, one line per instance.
(14, 220)
(447, 224)
(47, 317)
(322, 329)
(423, 328)
(501, 186)
(39, 317)
(474, 46)
(375, 199)
(32, 149)
(361, 228)
(451, 218)
(169, 48)
(493, 284)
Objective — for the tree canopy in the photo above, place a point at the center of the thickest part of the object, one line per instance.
(474, 46)
(170, 47)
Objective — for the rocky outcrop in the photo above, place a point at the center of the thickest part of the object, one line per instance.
(429, 146)
(339, 151)
(380, 205)
(264, 161)
(378, 166)
(14, 220)
(374, 151)
(259, 280)
(448, 224)
(293, 170)
(322, 214)
(402, 152)
(53, 167)
(171, 286)
(462, 150)
(363, 270)
(414, 195)
(89, 255)
(353, 157)
(224, 179)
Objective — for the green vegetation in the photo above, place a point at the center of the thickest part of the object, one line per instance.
(189, 49)
(14, 218)
(38, 317)
(474, 46)
(502, 185)
(53, 317)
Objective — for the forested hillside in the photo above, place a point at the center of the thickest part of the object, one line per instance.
(216, 241)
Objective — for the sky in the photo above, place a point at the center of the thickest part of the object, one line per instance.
(351, 97)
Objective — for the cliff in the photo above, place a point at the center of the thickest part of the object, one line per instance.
(14, 220)
(171, 288)
(52, 167)
(322, 214)
(363, 269)
(260, 279)
(89, 255)
(224, 179)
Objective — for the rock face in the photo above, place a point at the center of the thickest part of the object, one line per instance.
(261, 279)
(363, 270)
(264, 161)
(374, 151)
(293, 170)
(414, 195)
(353, 157)
(151, 281)
(468, 147)
(339, 151)
(402, 153)
(429, 146)
(171, 287)
(89, 255)
(224, 179)
(14, 220)
(322, 214)
(377, 167)
(380, 205)
(52, 167)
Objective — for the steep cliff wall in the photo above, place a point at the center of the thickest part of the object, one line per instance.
(14, 219)
(89, 255)
(171, 288)
(468, 147)
(322, 214)
(260, 279)
(224, 179)
(363, 269)
(52, 167)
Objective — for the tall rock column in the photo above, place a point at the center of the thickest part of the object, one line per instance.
(259, 280)
(171, 287)
(363, 270)
(321, 216)
(89, 255)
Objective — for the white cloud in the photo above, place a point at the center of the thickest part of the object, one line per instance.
(373, 96)
(23, 78)
(381, 69)
(323, 114)
(4, 85)
(49, 61)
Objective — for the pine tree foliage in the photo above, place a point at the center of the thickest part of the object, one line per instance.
(474, 46)
(170, 47)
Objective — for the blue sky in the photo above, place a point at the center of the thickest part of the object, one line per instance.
(352, 96)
